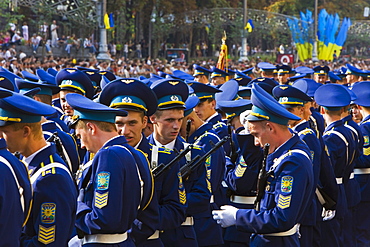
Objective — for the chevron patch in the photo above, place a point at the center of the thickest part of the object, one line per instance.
(239, 172)
(367, 151)
(46, 234)
(182, 196)
(284, 201)
(101, 200)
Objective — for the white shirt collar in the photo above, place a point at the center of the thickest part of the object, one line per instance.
(169, 145)
(214, 115)
(137, 145)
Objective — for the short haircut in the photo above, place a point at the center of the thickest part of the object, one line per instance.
(44, 98)
(159, 113)
(35, 129)
(103, 126)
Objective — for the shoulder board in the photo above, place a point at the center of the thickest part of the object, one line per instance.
(306, 131)
(218, 125)
(365, 122)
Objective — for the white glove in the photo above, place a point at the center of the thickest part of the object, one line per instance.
(226, 216)
(75, 242)
(328, 215)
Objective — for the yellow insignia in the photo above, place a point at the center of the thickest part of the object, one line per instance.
(209, 186)
(102, 73)
(367, 151)
(75, 117)
(101, 200)
(90, 72)
(48, 211)
(239, 171)
(284, 201)
(287, 184)
(261, 79)
(239, 79)
(70, 70)
(173, 83)
(46, 234)
(283, 88)
(312, 154)
(2, 78)
(127, 81)
(182, 197)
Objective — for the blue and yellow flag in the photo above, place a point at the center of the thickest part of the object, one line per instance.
(111, 20)
(106, 21)
(249, 26)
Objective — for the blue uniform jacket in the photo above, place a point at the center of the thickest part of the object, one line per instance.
(203, 137)
(170, 212)
(351, 186)
(112, 194)
(54, 203)
(339, 157)
(317, 122)
(284, 202)
(307, 135)
(364, 160)
(11, 213)
(70, 152)
(60, 123)
(207, 230)
(221, 130)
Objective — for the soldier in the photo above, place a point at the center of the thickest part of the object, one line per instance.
(286, 181)
(283, 74)
(266, 69)
(355, 75)
(140, 102)
(199, 133)
(201, 74)
(110, 190)
(54, 206)
(321, 74)
(362, 171)
(167, 122)
(16, 193)
(242, 173)
(218, 77)
(341, 147)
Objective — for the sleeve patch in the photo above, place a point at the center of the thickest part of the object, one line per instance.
(48, 211)
(101, 200)
(284, 201)
(46, 234)
(239, 171)
(181, 190)
(366, 151)
(366, 140)
(103, 181)
(287, 184)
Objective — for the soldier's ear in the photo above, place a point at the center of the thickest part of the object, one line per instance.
(153, 119)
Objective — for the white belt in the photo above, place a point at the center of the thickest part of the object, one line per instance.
(352, 175)
(339, 180)
(105, 238)
(212, 199)
(188, 222)
(155, 235)
(361, 171)
(290, 232)
(243, 199)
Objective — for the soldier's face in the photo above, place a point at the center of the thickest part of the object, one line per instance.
(131, 126)
(15, 140)
(205, 109)
(84, 134)
(201, 78)
(167, 125)
(260, 132)
(321, 78)
(283, 78)
(67, 109)
(218, 80)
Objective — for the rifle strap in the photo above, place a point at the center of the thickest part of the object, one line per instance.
(282, 157)
(188, 155)
(154, 159)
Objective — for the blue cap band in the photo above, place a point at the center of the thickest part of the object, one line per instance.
(170, 99)
(128, 100)
(257, 114)
(109, 117)
(65, 84)
(17, 117)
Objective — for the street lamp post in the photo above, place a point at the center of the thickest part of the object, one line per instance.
(243, 51)
(314, 52)
(103, 46)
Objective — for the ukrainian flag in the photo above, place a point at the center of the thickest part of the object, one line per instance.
(249, 26)
(106, 21)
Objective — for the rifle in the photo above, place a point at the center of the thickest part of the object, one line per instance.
(188, 126)
(234, 153)
(189, 167)
(262, 178)
(158, 170)
(60, 149)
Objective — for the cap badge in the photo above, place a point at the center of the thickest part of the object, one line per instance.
(127, 81)
(174, 98)
(284, 99)
(173, 83)
(127, 100)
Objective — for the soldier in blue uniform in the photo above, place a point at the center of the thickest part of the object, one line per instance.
(242, 174)
(201, 74)
(341, 146)
(167, 122)
(218, 76)
(286, 182)
(140, 102)
(15, 193)
(362, 167)
(53, 211)
(266, 69)
(199, 133)
(321, 74)
(283, 74)
(112, 189)
(206, 109)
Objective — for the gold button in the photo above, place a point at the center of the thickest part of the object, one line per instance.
(267, 187)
